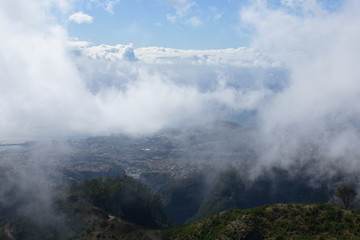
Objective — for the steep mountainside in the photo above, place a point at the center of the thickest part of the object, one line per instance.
(280, 221)
(81, 221)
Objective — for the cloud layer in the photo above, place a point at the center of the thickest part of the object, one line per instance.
(53, 89)
(319, 106)
(169, 87)
(301, 90)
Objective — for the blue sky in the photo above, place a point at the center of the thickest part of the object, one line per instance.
(314, 51)
(183, 24)
(211, 24)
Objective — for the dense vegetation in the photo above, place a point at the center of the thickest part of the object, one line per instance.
(125, 198)
(208, 192)
(280, 221)
(122, 207)
(102, 203)
(100, 208)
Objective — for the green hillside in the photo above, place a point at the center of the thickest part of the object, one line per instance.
(124, 208)
(280, 221)
(276, 222)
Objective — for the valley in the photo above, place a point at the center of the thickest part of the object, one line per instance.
(175, 176)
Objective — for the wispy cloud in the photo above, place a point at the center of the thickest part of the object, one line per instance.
(318, 108)
(163, 82)
(182, 12)
(182, 7)
(215, 12)
(108, 5)
(306, 97)
(80, 18)
(171, 18)
(111, 89)
(194, 21)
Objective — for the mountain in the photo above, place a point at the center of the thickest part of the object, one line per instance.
(124, 208)
(279, 221)
(82, 221)
(212, 191)
(147, 183)
(125, 198)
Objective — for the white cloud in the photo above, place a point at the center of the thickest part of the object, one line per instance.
(35, 99)
(195, 22)
(182, 7)
(62, 5)
(75, 43)
(305, 5)
(308, 99)
(80, 18)
(320, 50)
(171, 18)
(239, 58)
(216, 15)
(107, 89)
(108, 5)
(169, 86)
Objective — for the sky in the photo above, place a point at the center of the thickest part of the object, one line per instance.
(295, 77)
(292, 73)
(182, 24)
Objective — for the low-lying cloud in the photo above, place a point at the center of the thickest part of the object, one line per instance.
(53, 89)
(301, 88)
(319, 107)
(168, 87)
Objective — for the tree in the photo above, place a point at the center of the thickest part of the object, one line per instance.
(346, 194)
